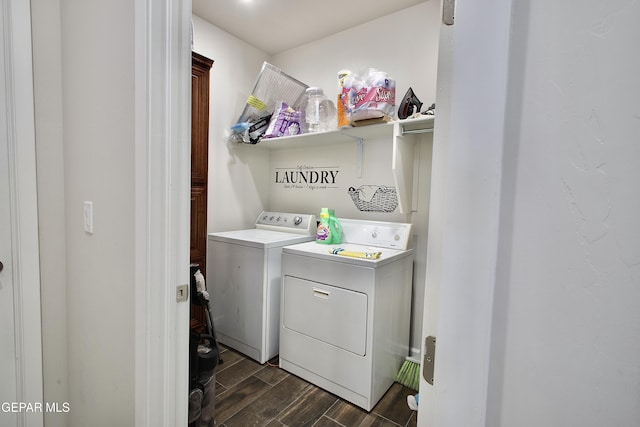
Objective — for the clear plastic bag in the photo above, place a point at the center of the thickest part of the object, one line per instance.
(272, 86)
(369, 96)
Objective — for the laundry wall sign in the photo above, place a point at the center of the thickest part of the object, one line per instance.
(308, 177)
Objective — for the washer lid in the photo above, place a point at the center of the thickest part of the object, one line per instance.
(259, 238)
(321, 251)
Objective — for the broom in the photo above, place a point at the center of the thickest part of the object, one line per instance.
(409, 374)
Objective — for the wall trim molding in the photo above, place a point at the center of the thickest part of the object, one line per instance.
(162, 170)
(20, 133)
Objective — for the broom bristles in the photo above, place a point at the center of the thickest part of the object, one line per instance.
(409, 375)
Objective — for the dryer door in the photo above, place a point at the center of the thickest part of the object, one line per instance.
(327, 313)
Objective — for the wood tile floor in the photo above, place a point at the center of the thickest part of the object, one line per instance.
(250, 394)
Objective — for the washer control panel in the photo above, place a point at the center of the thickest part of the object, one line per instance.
(287, 222)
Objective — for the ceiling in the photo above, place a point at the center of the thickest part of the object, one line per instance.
(274, 26)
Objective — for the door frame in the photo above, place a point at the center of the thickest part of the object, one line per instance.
(162, 206)
(17, 62)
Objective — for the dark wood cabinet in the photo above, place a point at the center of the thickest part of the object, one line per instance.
(200, 84)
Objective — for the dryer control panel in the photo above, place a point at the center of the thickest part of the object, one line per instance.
(393, 235)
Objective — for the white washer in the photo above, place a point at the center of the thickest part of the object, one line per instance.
(345, 321)
(243, 277)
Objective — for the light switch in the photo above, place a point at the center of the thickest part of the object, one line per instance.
(88, 217)
(182, 293)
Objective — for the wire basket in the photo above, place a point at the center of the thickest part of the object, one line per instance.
(384, 199)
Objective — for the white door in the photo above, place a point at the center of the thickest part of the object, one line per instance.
(20, 331)
(464, 211)
(433, 279)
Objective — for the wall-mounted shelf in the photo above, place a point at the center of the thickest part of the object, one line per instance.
(337, 136)
(402, 134)
(377, 131)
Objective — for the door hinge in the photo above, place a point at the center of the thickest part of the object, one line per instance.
(448, 11)
(428, 363)
(182, 293)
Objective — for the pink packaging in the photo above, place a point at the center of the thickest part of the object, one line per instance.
(369, 97)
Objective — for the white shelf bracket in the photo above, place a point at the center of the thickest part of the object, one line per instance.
(360, 142)
(359, 165)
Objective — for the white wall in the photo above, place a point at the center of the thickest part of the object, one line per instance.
(237, 188)
(567, 332)
(85, 142)
(411, 64)
(242, 175)
(101, 354)
(404, 44)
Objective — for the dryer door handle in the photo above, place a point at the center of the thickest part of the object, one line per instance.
(321, 293)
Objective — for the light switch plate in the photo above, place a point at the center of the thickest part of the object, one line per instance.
(88, 217)
(182, 293)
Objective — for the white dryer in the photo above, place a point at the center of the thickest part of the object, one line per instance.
(243, 277)
(345, 321)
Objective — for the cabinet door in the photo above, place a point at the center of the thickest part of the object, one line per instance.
(198, 251)
(199, 157)
(200, 67)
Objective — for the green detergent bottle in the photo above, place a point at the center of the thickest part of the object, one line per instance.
(323, 234)
(335, 228)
